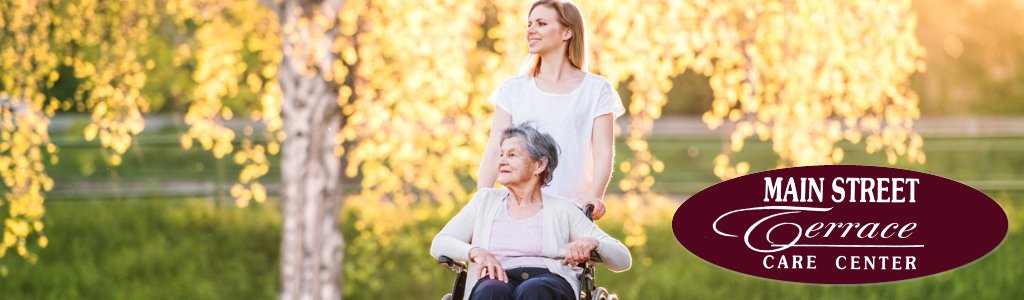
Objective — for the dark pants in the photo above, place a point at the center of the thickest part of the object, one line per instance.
(538, 283)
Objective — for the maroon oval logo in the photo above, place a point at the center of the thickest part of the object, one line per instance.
(840, 224)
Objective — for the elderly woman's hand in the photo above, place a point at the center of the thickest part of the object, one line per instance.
(578, 251)
(487, 263)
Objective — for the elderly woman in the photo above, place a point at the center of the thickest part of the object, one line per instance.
(521, 243)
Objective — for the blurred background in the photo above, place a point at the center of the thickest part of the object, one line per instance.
(158, 134)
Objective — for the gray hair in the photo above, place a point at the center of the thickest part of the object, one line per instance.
(540, 146)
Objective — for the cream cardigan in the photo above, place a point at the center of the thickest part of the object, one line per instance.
(563, 222)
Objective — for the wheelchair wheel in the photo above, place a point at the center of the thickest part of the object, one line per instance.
(447, 297)
(602, 294)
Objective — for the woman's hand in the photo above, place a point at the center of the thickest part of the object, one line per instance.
(578, 251)
(599, 207)
(487, 263)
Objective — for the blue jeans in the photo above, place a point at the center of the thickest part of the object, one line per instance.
(538, 283)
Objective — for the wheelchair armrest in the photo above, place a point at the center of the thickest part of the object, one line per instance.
(451, 264)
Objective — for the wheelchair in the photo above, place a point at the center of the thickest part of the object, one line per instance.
(588, 288)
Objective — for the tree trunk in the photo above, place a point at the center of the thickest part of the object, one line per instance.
(311, 242)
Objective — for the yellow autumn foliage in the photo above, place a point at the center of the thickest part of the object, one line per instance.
(414, 77)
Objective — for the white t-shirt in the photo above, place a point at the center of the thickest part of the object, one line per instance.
(568, 118)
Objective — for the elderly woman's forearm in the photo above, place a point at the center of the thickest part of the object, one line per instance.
(614, 255)
(451, 247)
(453, 240)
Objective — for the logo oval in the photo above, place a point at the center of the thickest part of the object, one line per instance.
(840, 224)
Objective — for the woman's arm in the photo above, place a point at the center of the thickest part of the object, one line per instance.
(453, 240)
(613, 253)
(603, 141)
(488, 173)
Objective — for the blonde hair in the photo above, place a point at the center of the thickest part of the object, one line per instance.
(578, 51)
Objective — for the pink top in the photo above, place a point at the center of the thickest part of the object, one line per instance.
(517, 243)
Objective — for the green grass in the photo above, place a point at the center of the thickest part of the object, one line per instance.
(156, 249)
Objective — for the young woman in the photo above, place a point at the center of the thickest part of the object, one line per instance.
(556, 92)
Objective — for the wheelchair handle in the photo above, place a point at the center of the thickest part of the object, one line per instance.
(589, 210)
(451, 264)
(459, 288)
